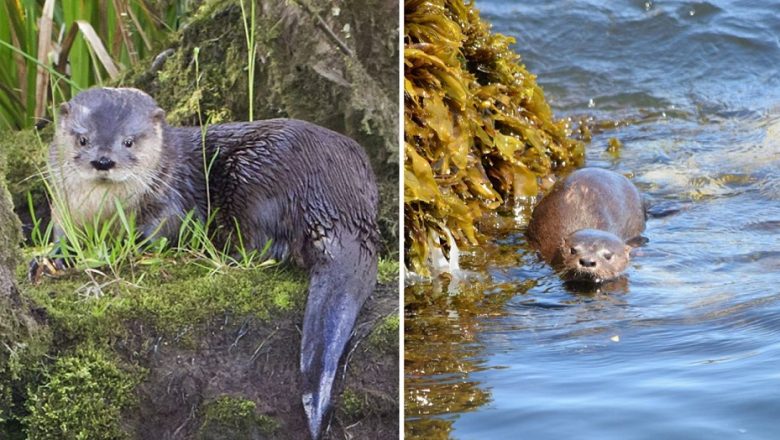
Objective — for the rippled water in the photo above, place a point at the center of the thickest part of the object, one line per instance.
(689, 346)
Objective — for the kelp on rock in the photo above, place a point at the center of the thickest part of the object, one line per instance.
(478, 129)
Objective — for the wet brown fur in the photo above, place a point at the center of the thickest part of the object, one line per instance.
(591, 213)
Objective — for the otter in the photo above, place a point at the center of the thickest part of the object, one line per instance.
(587, 225)
(308, 192)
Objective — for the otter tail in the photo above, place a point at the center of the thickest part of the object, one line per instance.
(338, 288)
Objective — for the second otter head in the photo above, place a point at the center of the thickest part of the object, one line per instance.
(109, 136)
(593, 255)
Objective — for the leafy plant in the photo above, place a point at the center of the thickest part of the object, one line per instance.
(478, 129)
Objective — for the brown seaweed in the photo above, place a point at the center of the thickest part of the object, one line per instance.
(478, 129)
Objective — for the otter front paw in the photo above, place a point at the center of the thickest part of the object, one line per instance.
(40, 266)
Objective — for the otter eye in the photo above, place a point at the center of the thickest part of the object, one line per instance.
(83, 141)
(573, 251)
(607, 256)
(128, 142)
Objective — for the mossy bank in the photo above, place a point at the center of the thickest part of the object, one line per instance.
(114, 359)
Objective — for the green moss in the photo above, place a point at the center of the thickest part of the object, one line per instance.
(25, 158)
(384, 337)
(387, 270)
(10, 233)
(286, 294)
(169, 300)
(81, 397)
(234, 418)
(25, 340)
(352, 405)
(208, 9)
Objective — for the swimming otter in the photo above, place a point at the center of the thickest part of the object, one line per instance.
(308, 190)
(587, 224)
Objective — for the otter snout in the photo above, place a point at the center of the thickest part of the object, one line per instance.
(103, 164)
(587, 262)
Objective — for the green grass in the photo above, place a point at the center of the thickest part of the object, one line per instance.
(115, 246)
(128, 30)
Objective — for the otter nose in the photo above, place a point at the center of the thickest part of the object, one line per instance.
(587, 262)
(103, 164)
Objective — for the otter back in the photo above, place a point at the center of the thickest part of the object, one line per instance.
(288, 181)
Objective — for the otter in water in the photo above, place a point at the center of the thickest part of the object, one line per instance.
(307, 190)
(587, 225)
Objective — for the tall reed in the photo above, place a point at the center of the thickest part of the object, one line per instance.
(76, 43)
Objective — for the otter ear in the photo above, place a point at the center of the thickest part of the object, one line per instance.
(637, 241)
(64, 109)
(158, 115)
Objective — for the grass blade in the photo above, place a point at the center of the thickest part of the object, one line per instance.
(45, 24)
(48, 68)
(94, 41)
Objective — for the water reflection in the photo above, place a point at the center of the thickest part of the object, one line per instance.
(443, 350)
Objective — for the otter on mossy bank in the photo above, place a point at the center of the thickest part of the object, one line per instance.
(587, 225)
(308, 190)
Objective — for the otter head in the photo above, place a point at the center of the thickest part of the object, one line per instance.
(593, 255)
(109, 136)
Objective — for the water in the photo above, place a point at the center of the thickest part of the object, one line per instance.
(689, 346)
